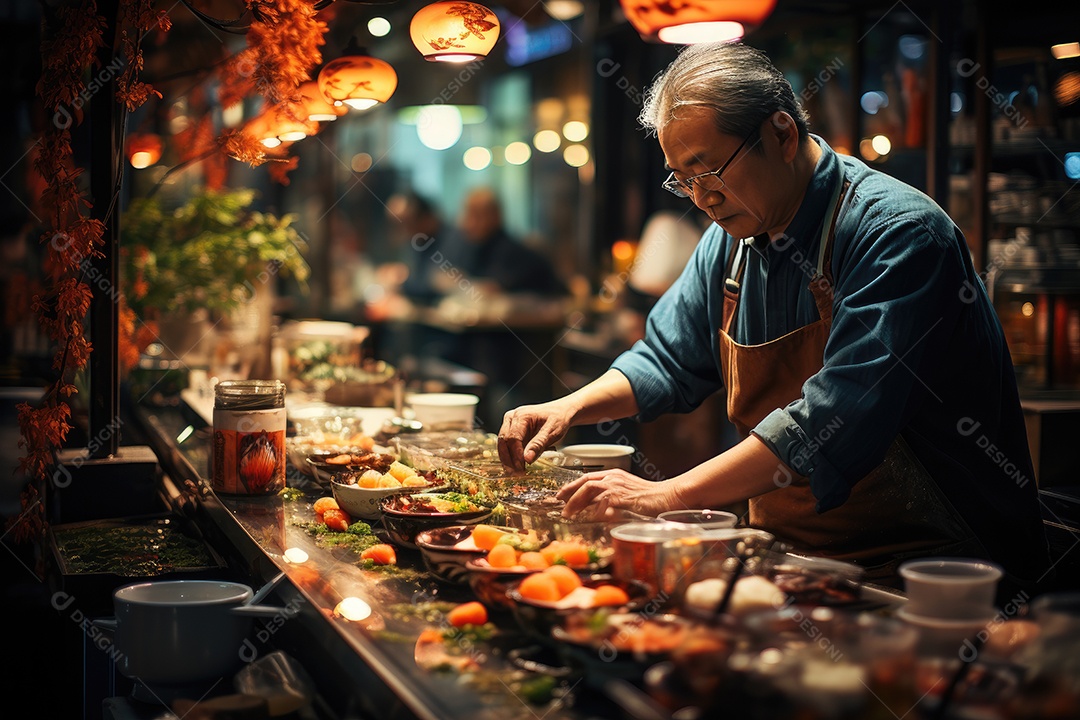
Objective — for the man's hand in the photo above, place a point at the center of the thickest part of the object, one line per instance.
(605, 491)
(529, 430)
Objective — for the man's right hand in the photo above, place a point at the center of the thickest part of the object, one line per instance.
(529, 430)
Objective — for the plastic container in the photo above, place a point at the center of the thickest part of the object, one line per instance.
(701, 519)
(958, 589)
(249, 437)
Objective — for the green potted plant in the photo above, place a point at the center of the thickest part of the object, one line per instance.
(210, 263)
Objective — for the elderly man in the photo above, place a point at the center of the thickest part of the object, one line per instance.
(863, 363)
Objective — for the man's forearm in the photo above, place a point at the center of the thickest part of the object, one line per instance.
(609, 397)
(747, 470)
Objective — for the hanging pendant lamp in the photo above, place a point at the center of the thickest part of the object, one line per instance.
(454, 31)
(315, 106)
(356, 79)
(699, 22)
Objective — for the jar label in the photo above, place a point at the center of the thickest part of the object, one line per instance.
(249, 451)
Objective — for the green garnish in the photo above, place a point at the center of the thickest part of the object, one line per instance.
(359, 528)
(291, 494)
(538, 690)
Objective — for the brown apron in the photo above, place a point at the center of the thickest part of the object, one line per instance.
(894, 513)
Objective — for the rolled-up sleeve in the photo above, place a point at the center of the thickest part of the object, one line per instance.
(896, 303)
(674, 367)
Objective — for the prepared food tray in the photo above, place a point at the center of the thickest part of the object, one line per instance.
(95, 557)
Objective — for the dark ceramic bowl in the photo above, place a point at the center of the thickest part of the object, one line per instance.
(490, 584)
(619, 644)
(404, 517)
(442, 556)
(537, 617)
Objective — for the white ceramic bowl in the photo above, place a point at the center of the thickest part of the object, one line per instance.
(950, 588)
(439, 411)
(600, 456)
(366, 503)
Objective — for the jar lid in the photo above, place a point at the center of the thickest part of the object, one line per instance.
(251, 394)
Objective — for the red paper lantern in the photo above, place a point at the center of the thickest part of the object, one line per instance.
(698, 21)
(143, 149)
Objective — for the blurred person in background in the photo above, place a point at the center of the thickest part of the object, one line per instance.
(484, 252)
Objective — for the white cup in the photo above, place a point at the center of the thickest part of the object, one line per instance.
(950, 588)
(600, 456)
(437, 411)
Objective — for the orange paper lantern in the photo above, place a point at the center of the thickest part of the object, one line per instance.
(143, 149)
(316, 108)
(454, 31)
(277, 125)
(698, 22)
(357, 80)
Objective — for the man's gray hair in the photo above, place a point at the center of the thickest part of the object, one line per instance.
(736, 81)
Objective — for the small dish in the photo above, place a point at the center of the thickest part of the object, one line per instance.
(326, 465)
(366, 503)
(538, 617)
(446, 551)
(408, 514)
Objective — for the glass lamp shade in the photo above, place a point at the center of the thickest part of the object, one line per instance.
(358, 81)
(708, 21)
(143, 149)
(454, 31)
(316, 108)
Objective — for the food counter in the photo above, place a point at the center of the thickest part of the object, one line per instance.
(381, 640)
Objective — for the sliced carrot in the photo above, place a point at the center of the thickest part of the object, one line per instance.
(533, 561)
(380, 554)
(502, 556)
(486, 536)
(610, 595)
(566, 580)
(539, 586)
(470, 613)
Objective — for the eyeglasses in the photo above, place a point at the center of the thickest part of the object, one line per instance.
(709, 181)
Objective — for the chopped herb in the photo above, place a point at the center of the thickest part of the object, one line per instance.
(360, 528)
(291, 494)
(130, 550)
(429, 612)
(471, 633)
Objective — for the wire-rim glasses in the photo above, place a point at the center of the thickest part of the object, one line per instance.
(685, 188)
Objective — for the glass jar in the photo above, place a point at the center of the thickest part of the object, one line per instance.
(249, 437)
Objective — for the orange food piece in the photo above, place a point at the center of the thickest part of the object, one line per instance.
(533, 561)
(566, 551)
(541, 587)
(502, 556)
(486, 536)
(381, 554)
(336, 519)
(566, 580)
(470, 613)
(339, 460)
(323, 504)
(610, 595)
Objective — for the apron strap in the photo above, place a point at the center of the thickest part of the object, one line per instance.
(736, 266)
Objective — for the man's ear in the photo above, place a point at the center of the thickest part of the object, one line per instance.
(786, 132)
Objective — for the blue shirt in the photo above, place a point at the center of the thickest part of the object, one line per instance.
(915, 346)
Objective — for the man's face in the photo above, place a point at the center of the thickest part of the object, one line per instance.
(692, 145)
(479, 218)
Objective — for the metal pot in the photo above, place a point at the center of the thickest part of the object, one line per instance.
(182, 632)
